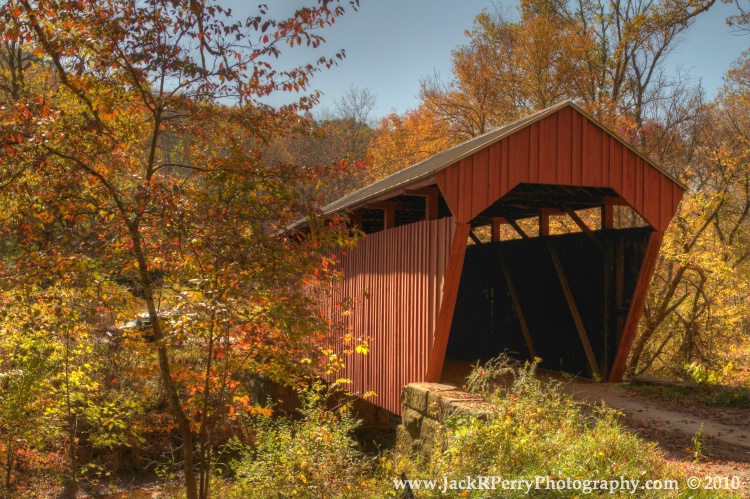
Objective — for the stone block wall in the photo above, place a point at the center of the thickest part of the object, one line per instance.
(424, 409)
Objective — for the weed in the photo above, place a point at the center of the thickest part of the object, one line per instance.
(697, 440)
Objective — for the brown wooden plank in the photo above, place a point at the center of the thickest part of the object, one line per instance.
(548, 145)
(638, 201)
(480, 198)
(592, 154)
(464, 190)
(519, 157)
(576, 140)
(564, 174)
(493, 183)
(574, 310)
(447, 181)
(517, 306)
(651, 194)
(504, 167)
(636, 306)
(534, 153)
(628, 176)
(448, 302)
(453, 176)
(615, 165)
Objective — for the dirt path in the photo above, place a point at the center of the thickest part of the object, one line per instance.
(644, 412)
(724, 448)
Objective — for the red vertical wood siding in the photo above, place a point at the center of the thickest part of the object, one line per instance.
(565, 148)
(393, 283)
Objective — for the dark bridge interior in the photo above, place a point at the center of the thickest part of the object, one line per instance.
(512, 297)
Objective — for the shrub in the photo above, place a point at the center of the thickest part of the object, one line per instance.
(313, 457)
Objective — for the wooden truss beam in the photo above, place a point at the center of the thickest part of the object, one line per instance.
(585, 228)
(574, 311)
(498, 221)
(517, 306)
(518, 229)
(474, 237)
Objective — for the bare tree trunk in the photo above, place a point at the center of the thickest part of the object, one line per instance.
(166, 375)
(8, 463)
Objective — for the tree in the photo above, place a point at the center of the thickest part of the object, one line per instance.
(609, 56)
(336, 142)
(132, 154)
(404, 140)
(696, 314)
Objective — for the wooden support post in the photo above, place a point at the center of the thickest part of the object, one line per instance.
(648, 266)
(389, 218)
(497, 222)
(389, 212)
(585, 228)
(447, 303)
(574, 311)
(431, 207)
(431, 200)
(608, 214)
(517, 306)
(544, 222)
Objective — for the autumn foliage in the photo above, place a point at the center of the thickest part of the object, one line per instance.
(134, 180)
(142, 175)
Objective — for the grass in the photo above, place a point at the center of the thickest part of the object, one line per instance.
(533, 430)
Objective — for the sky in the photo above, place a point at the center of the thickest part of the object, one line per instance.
(391, 44)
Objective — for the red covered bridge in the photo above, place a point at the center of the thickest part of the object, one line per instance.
(434, 276)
